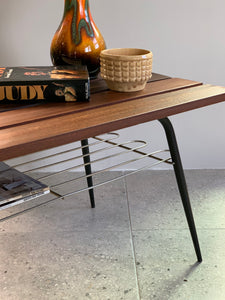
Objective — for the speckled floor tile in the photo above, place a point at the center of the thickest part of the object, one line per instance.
(67, 265)
(66, 250)
(155, 202)
(75, 212)
(167, 268)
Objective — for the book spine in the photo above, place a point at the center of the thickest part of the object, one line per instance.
(68, 91)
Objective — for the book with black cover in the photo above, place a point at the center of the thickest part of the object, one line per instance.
(34, 84)
(16, 187)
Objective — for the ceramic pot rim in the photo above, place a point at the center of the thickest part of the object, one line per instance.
(126, 54)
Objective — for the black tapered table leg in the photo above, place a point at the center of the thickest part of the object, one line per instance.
(86, 158)
(179, 172)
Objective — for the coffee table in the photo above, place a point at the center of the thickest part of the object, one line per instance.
(30, 128)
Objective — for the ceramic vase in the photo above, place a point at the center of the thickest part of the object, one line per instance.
(77, 38)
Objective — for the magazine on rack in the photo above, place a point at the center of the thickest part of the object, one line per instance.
(16, 187)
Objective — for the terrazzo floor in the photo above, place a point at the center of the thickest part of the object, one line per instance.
(134, 245)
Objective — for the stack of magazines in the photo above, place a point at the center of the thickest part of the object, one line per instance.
(16, 187)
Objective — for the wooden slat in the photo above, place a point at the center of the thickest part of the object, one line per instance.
(98, 85)
(41, 135)
(46, 111)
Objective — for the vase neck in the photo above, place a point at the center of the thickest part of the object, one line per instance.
(79, 6)
(81, 18)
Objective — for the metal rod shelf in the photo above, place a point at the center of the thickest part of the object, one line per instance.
(104, 146)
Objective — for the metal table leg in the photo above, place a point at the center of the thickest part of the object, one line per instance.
(86, 158)
(178, 169)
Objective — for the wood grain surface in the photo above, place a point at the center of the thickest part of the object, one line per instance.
(105, 98)
(30, 129)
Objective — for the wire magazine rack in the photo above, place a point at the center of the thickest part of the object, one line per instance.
(66, 166)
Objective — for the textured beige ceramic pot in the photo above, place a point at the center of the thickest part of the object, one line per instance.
(126, 69)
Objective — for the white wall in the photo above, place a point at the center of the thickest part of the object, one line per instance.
(187, 40)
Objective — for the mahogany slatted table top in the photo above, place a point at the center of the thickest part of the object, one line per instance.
(27, 129)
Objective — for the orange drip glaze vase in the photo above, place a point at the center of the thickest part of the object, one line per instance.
(77, 38)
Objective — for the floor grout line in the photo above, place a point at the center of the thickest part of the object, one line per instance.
(177, 229)
(132, 243)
